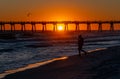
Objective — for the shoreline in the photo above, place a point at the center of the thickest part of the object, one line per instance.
(30, 66)
(101, 64)
(42, 63)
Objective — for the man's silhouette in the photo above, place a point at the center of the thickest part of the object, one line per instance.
(80, 44)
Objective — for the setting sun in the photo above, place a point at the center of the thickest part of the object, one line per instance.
(60, 28)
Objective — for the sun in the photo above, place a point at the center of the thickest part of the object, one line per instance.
(60, 28)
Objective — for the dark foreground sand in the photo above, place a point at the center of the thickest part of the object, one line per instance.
(103, 64)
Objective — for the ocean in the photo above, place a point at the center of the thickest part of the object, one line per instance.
(29, 48)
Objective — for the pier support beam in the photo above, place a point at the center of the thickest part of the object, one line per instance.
(23, 27)
(33, 27)
(88, 27)
(12, 27)
(2, 27)
(66, 26)
(111, 26)
(77, 27)
(100, 27)
(43, 26)
(54, 26)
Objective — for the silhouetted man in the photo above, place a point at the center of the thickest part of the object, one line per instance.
(80, 45)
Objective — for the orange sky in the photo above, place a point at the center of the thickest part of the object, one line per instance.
(59, 10)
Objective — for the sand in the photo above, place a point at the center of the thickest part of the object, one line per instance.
(102, 64)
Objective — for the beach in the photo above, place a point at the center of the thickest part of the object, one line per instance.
(99, 64)
(60, 39)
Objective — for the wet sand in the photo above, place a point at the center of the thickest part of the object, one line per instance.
(102, 64)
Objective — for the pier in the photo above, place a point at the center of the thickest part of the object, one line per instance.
(54, 23)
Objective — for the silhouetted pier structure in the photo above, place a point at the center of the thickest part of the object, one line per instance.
(54, 23)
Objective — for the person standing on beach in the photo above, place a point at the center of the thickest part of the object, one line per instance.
(80, 45)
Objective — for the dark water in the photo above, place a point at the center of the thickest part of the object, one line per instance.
(27, 49)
